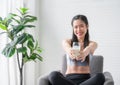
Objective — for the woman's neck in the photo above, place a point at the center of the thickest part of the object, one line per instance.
(81, 40)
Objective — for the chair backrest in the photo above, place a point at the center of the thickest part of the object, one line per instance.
(96, 64)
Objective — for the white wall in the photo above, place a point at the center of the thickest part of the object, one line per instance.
(55, 18)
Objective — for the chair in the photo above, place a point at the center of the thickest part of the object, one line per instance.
(96, 66)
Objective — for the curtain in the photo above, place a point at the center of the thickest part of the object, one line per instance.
(8, 66)
(9, 74)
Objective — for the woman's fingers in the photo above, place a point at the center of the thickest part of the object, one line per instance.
(82, 58)
(72, 56)
(77, 55)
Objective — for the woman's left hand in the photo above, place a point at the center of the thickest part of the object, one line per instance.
(81, 57)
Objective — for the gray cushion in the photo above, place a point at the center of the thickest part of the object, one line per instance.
(108, 79)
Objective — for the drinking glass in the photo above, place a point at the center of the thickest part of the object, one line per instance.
(76, 48)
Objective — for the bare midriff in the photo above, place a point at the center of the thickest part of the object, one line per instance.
(78, 69)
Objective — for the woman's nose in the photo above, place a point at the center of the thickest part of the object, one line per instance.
(79, 29)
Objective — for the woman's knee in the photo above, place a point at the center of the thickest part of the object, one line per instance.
(54, 75)
(100, 76)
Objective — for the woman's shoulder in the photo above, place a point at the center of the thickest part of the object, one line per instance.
(93, 42)
(67, 40)
(93, 45)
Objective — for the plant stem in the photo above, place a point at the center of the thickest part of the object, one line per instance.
(18, 61)
(20, 68)
(21, 76)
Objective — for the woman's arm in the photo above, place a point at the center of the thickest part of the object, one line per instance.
(67, 47)
(88, 50)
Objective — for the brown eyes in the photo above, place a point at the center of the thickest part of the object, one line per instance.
(76, 27)
(80, 26)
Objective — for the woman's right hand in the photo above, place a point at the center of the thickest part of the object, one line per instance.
(71, 54)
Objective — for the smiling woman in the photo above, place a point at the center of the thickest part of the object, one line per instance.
(78, 66)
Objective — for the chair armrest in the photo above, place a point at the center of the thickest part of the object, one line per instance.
(108, 79)
(43, 80)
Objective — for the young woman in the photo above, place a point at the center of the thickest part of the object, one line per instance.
(78, 70)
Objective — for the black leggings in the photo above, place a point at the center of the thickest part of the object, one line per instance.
(56, 78)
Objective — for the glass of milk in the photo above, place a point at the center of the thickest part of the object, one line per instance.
(76, 48)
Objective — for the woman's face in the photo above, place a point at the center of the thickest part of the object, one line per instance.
(79, 28)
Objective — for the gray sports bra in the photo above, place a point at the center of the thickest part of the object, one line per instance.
(75, 62)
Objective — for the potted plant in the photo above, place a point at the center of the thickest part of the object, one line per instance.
(21, 43)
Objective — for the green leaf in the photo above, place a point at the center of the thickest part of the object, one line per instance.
(39, 50)
(36, 45)
(29, 26)
(16, 17)
(33, 56)
(26, 59)
(39, 58)
(30, 37)
(36, 48)
(2, 26)
(9, 50)
(22, 50)
(23, 10)
(17, 28)
(13, 14)
(30, 45)
(22, 38)
(29, 18)
(36, 56)
(16, 20)
(8, 22)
